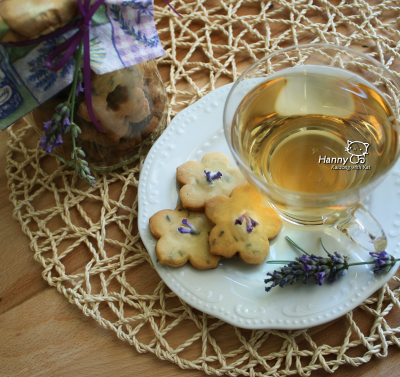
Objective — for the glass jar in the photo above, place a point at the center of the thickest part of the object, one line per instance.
(130, 104)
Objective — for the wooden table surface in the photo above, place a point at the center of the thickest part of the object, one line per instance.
(42, 334)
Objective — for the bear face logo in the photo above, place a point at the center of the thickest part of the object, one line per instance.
(358, 150)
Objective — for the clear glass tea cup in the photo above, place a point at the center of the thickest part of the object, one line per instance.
(314, 128)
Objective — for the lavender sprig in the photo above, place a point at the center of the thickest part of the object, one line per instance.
(329, 268)
(54, 128)
(210, 178)
(63, 122)
(383, 262)
(190, 228)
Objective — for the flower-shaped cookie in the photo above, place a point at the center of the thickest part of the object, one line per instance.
(182, 236)
(118, 100)
(242, 225)
(112, 109)
(203, 180)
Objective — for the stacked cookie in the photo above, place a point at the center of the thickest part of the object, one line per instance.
(220, 216)
(128, 103)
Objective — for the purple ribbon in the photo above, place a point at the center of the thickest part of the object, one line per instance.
(70, 46)
(167, 2)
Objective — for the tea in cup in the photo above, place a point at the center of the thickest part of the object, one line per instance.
(314, 129)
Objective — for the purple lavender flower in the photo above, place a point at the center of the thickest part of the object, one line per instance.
(210, 178)
(49, 148)
(320, 277)
(337, 257)
(66, 123)
(47, 125)
(306, 266)
(43, 142)
(250, 223)
(54, 128)
(183, 230)
(248, 227)
(190, 228)
(185, 222)
(287, 275)
(79, 88)
(336, 275)
(239, 221)
(383, 262)
(305, 258)
(302, 269)
(51, 139)
(253, 222)
(329, 268)
(59, 140)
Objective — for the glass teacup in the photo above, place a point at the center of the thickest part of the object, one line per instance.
(314, 128)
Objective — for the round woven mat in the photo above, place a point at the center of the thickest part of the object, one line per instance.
(87, 240)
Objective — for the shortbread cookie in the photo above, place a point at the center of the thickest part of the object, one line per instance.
(118, 99)
(203, 180)
(242, 225)
(182, 236)
(106, 83)
(127, 105)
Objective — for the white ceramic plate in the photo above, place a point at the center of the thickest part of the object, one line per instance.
(234, 291)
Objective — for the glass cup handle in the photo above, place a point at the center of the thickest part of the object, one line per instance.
(361, 227)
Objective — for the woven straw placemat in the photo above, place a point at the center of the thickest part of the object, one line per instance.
(86, 238)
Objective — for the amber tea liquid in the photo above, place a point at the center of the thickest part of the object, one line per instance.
(315, 129)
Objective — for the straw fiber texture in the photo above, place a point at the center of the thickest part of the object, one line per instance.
(86, 238)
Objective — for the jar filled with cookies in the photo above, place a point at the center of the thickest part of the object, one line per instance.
(131, 106)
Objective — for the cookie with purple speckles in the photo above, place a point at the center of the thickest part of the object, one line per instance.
(202, 180)
(243, 225)
(183, 237)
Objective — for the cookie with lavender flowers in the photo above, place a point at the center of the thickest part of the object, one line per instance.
(116, 109)
(202, 180)
(243, 225)
(183, 237)
(118, 99)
